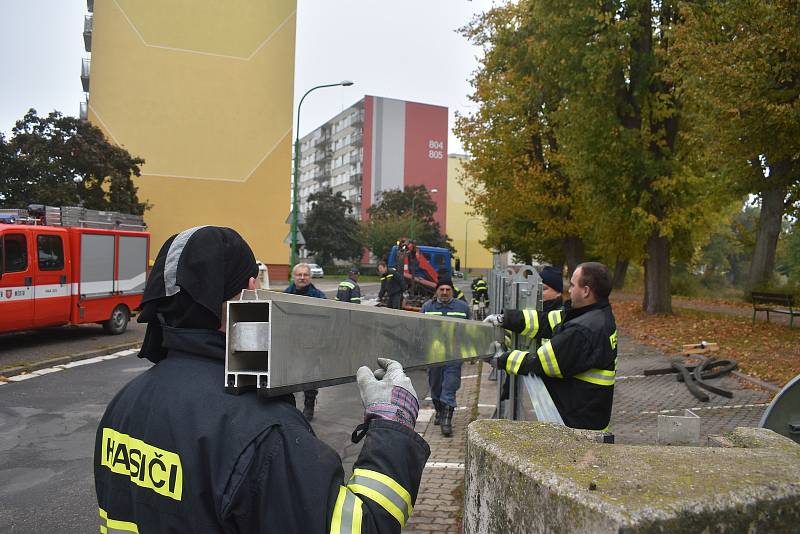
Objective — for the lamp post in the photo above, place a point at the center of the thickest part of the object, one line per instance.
(413, 200)
(466, 244)
(296, 181)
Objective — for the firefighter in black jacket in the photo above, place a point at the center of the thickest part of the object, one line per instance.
(349, 290)
(175, 453)
(392, 286)
(578, 362)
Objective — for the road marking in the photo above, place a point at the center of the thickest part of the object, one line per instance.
(444, 465)
(70, 365)
(469, 376)
(720, 407)
(631, 376)
(47, 371)
(20, 378)
(79, 363)
(492, 406)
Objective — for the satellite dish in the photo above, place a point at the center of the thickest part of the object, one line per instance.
(783, 413)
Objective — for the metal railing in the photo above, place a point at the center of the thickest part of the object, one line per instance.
(87, 32)
(527, 398)
(85, 68)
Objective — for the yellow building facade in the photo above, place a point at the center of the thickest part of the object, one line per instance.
(203, 91)
(465, 230)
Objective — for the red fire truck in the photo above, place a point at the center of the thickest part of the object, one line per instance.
(51, 275)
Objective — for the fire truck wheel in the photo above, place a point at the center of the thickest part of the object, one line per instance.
(118, 321)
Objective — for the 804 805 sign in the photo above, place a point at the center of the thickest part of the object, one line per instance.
(435, 149)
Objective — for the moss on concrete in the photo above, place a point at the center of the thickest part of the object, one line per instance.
(677, 488)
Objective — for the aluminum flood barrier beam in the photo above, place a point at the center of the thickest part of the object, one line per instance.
(281, 343)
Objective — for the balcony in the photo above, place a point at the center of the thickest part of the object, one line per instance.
(90, 6)
(83, 113)
(87, 32)
(85, 74)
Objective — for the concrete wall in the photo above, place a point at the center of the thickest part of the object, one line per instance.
(526, 477)
(202, 90)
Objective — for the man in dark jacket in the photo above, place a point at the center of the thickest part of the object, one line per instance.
(175, 453)
(301, 285)
(392, 286)
(445, 380)
(349, 290)
(578, 361)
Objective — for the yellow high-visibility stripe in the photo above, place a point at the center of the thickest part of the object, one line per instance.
(347, 285)
(531, 323)
(547, 357)
(613, 340)
(554, 318)
(456, 314)
(381, 499)
(601, 377)
(387, 480)
(347, 513)
(115, 526)
(433, 313)
(515, 361)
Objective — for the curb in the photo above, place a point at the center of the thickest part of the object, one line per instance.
(11, 371)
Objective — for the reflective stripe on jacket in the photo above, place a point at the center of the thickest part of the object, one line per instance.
(180, 455)
(577, 359)
(349, 291)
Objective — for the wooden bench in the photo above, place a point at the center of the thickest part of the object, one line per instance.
(775, 303)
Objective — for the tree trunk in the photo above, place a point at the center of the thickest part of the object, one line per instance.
(657, 296)
(620, 271)
(769, 228)
(573, 252)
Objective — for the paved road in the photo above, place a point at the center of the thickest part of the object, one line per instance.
(47, 431)
(24, 348)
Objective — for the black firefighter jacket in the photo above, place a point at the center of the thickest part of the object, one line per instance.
(577, 362)
(175, 453)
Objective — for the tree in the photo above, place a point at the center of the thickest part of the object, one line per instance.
(789, 264)
(379, 234)
(58, 160)
(515, 179)
(330, 230)
(740, 68)
(396, 204)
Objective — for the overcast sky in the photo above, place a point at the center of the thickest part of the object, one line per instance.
(400, 49)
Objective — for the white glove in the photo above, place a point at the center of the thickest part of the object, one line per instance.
(495, 319)
(388, 393)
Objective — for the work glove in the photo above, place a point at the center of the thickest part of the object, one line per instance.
(514, 362)
(388, 393)
(495, 319)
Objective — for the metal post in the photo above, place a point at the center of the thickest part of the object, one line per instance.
(296, 180)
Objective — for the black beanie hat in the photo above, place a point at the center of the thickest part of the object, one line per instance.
(445, 281)
(551, 276)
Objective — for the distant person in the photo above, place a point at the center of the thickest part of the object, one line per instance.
(552, 289)
(578, 361)
(392, 286)
(349, 290)
(301, 285)
(175, 453)
(445, 380)
(480, 290)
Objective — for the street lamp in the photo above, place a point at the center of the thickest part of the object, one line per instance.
(296, 181)
(413, 214)
(466, 243)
